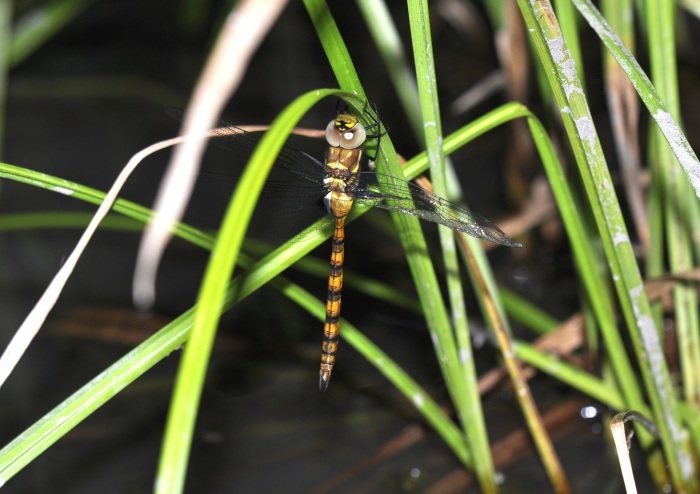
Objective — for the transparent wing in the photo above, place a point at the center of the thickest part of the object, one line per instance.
(291, 199)
(242, 143)
(408, 198)
(394, 194)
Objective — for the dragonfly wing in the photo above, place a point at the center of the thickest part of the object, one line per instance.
(291, 198)
(242, 143)
(409, 198)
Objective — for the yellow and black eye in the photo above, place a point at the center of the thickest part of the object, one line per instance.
(345, 131)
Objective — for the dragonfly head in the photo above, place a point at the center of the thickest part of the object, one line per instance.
(345, 131)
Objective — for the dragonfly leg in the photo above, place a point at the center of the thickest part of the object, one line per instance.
(331, 328)
(374, 135)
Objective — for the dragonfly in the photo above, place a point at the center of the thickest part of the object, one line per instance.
(339, 182)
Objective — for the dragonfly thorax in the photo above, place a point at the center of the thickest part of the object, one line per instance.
(340, 173)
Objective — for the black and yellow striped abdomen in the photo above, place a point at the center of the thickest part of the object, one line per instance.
(331, 328)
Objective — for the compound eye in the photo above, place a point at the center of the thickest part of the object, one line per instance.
(353, 138)
(340, 134)
(333, 135)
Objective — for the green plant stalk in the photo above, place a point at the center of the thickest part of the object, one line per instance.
(482, 261)
(385, 35)
(40, 24)
(566, 15)
(495, 10)
(568, 20)
(282, 257)
(430, 409)
(657, 249)
(584, 252)
(587, 267)
(691, 418)
(623, 106)
(5, 38)
(64, 219)
(334, 46)
(59, 421)
(317, 267)
(627, 280)
(310, 265)
(525, 399)
(670, 196)
(413, 168)
(463, 382)
(656, 205)
(92, 196)
(678, 198)
(570, 375)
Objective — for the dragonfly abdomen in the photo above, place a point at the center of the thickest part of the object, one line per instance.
(331, 328)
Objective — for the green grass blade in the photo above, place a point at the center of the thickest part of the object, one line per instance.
(385, 34)
(39, 24)
(566, 14)
(527, 314)
(92, 196)
(460, 372)
(571, 375)
(336, 51)
(627, 280)
(651, 99)
(58, 422)
(679, 199)
(64, 219)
